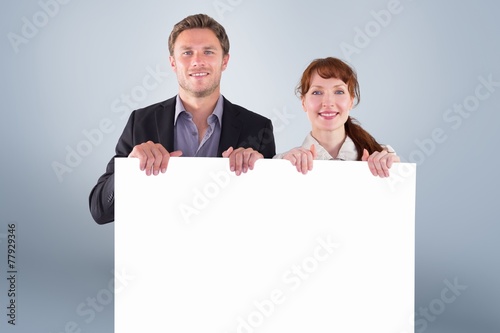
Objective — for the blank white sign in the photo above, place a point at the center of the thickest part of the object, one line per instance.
(271, 250)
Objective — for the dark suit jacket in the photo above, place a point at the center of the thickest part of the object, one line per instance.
(240, 128)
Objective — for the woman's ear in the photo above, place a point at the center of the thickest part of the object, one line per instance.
(303, 104)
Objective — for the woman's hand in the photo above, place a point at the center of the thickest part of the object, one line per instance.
(301, 158)
(380, 162)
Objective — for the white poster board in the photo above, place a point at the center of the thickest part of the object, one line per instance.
(271, 250)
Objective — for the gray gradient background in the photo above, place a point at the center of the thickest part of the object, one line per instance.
(65, 79)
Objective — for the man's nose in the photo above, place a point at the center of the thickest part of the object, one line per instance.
(198, 60)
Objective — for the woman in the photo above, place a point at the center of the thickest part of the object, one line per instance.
(329, 90)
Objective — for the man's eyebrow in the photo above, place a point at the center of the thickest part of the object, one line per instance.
(190, 47)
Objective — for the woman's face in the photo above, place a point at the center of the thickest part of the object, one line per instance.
(327, 103)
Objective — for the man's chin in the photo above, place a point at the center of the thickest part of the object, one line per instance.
(203, 93)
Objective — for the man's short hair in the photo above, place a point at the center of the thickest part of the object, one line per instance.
(199, 21)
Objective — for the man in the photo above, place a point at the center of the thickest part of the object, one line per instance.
(199, 121)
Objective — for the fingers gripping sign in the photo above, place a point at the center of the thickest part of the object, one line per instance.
(241, 159)
(380, 162)
(302, 158)
(153, 157)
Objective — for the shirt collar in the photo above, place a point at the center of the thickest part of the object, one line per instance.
(218, 110)
(347, 152)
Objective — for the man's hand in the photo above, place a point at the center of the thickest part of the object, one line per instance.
(301, 158)
(380, 162)
(241, 159)
(153, 157)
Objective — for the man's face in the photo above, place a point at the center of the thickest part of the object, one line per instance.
(198, 62)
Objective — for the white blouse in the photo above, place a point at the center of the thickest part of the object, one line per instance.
(347, 151)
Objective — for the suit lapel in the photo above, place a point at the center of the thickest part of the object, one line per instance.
(231, 127)
(165, 124)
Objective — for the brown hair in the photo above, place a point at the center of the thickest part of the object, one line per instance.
(199, 21)
(329, 68)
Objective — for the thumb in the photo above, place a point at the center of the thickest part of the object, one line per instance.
(227, 152)
(176, 153)
(365, 155)
(313, 151)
